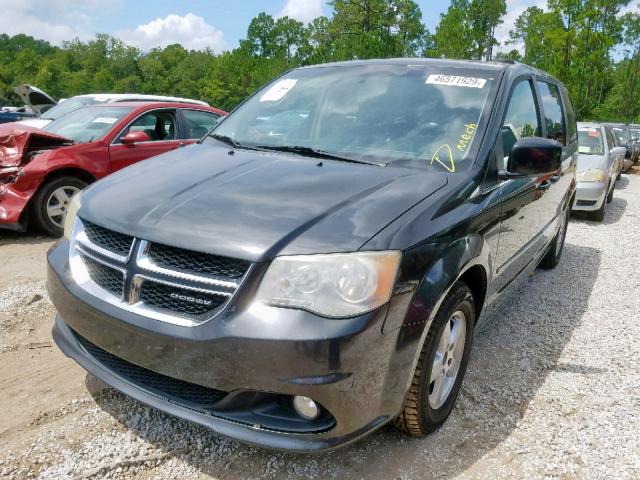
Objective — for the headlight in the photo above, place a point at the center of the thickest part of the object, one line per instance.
(591, 176)
(72, 212)
(335, 285)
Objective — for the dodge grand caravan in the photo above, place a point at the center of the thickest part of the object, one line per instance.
(297, 280)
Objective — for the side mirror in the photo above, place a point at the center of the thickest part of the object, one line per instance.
(135, 137)
(534, 156)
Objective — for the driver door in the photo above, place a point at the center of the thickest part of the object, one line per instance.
(162, 129)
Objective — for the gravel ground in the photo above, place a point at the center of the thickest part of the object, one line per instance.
(552, 389)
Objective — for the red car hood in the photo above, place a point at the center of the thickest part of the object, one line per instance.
(17, 143)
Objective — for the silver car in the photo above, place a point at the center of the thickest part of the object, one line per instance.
(599, 164)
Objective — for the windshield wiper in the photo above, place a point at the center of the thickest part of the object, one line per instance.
(316, 153)
(225, 139)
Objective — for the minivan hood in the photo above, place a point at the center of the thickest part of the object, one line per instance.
(255, 205)
(35, 98)
(17, 143)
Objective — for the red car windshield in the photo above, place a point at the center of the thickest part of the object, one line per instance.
(88, 124)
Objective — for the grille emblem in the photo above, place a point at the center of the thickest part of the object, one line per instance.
(187, 298)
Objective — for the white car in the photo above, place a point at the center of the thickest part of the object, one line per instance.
(36, 99)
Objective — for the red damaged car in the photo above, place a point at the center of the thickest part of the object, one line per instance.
(40, 170)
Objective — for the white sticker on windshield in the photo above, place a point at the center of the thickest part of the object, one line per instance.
(278, 90)
(108, 120)
(456, 80)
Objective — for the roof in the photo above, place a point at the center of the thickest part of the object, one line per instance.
(132, 96)
(495, 66)
(146, 105)
(443, 62)
(589, 124)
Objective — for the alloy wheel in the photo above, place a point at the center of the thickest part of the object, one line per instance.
(446, 362)
(58, 203)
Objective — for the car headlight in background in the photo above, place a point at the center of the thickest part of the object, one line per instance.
(333, 285)
(593, 175)
(72, 213)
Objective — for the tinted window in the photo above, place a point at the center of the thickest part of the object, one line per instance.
(571, 115)
(412, 115)
(552, 106)
(158, 125)
(198, 122)
(521, 119)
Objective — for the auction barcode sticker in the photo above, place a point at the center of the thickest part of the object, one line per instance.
(456, 80)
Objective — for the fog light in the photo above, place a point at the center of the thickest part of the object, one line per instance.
(306, 408)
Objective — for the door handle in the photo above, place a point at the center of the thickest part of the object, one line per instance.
(555, 178)
(544, 185)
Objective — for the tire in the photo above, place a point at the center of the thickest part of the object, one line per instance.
(610, 194)
(598, 215)
(54, 196)
(423, 410)
(552, 257)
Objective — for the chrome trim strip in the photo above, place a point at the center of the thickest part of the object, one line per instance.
(144, 261)
(80, 236)
(180, 285)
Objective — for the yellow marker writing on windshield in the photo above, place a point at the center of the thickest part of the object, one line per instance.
(444, 150)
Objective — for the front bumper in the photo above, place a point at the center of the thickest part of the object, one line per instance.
(590, 196)
(344, 365)
(13, 204)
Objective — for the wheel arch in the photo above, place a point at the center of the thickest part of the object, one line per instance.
(68, 171)
(411, 314)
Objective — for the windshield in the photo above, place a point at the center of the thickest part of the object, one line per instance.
(88, 124)
(590, 141)
(413, 115)
(71, 105)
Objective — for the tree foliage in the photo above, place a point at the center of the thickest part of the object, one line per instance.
(574, 40)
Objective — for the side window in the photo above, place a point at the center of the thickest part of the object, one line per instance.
(521, 119)
(553, 117)
(158, 125)
(610, 142)
(198, 122)
(572, 130)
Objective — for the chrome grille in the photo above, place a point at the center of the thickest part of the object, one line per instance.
(115, 242)
(170, 284)
(188, 261)
(109, 278)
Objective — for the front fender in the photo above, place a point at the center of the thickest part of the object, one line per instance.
(412, 310)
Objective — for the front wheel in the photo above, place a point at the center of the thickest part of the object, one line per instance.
(442, 364)
(51, 203)
(610, 195)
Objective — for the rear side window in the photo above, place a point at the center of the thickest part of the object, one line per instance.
(521, 119)
(571, 115)
(552, 107)
(198, 123)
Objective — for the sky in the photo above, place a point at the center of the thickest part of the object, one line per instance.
(196, 24)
